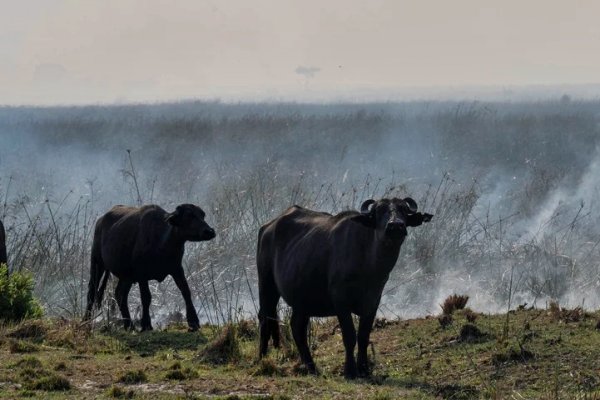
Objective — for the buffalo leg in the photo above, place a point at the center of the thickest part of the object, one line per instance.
(190, 310)
(92, 295)
(96, 271)
(146, 299)
(121, 294)
(364, 331)
(349, 336)
(299, 324)
(267, 315)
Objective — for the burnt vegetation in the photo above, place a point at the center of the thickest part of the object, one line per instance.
(508, 184)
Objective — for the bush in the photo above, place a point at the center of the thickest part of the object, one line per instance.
(16, 297)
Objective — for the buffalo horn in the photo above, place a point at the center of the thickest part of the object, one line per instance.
(412, 205)
(364, 208)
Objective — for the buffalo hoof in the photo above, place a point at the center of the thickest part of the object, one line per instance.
(363, 372)
(147, 328)
(350, 373)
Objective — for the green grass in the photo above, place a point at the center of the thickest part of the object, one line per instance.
(542, 356)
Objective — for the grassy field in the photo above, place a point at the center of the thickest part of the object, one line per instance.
(529, 353)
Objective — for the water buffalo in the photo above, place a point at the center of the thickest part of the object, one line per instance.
(142, 244)
(3, 257)
(325, 265)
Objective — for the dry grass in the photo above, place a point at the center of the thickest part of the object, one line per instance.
(414, 359)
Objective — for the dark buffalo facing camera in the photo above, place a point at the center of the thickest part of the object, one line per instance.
(325, 265)
(141, 244)
(3, 257)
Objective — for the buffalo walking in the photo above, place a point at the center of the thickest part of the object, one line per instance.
(142, 244)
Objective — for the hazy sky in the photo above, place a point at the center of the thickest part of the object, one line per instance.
(73, 51)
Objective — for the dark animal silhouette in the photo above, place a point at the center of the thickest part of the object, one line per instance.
(3, 256)
(143, 244)
(325, 265)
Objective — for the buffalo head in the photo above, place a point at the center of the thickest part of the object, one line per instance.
(391, 216)
(190, 224)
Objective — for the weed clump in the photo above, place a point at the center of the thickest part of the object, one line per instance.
(31, 329)
(50, 383)
(176, 372)
(454, 302)
(470, 315)
(381, 323)
(133, 377)
(514, 355)
(564, 314)
(247, 329)
(29, 362)
(61, 366)
(117, 392)
(16, 296)
(459, 392)
(445, 320)
(21, 346)
(267, 367)
(224, 349)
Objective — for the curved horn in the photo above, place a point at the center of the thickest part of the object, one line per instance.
(364, 208)
(412, 205)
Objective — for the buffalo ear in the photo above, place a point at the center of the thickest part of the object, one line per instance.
(174, 218)
(365, 220)
(417, 219)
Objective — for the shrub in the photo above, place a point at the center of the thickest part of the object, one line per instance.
(453, 303)
(16, 297)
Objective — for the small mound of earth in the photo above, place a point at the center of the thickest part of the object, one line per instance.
(469, 333)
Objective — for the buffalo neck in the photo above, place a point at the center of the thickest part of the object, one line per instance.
(386, 252)
(172, 239)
